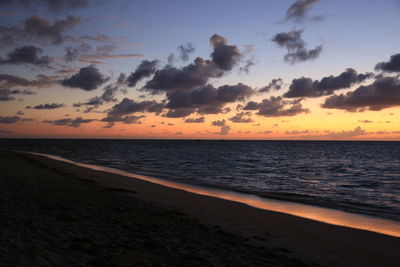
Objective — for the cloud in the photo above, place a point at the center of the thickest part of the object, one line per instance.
(218, 123)
(306, 87)
(393, 65)
(224, 130)
(185, 50)
(120, 111)
(276, 107)
(107, 96)
(73, 52)
(8, 94)
(297, 12)
(69, 122)
(128, 106)
(224, 56)
(296, 47)
(248, 64)
(38, 29)
(46, 106)
(26, 55)
(242, 117)
(15, 81)
(345, 134)
(275, 84)
(186, 78)
(195, 120)
(145, 69)
(198, 73)
(207, 99)
(12, 119)
(88, 78)
(383, 93)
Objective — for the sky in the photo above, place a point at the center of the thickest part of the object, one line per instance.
(265, 70)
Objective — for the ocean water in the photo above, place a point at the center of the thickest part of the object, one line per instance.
(359, 177)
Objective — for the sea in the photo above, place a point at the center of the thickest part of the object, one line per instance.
(359, 177)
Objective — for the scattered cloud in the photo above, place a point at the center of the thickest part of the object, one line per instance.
(224, 56)
(275, 84)
(46, 106)
(195, 120)
(218, 123)
(145, 69)
(12, 119)
(242, 117)
(306, 87)
(393, 65)
(37, 29)
(185, 50)
(8, 94)
(9, 81)
(207, 99)
(297, 12)
(296, 47)
(88, 78)
(26, 55)
(69, 122)
(383, 93)
(276, 107)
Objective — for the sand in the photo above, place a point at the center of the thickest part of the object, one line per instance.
(57, 214)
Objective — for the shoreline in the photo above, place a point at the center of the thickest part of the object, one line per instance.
(308, 240)
(304, 210)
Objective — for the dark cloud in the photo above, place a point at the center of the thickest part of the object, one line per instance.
(69, 122)
(9, 81)
(297, 12)
(8, 94)
(107, 96)
(37, 28)
(296, 47)
(251, 105)
(195, 120)
(187, 78)
(12, 119)
(393, 65)
(88, 78)
(53, 5)
(218, 123)
(145, 69)
(383, 93)
(224, 56)
(129, 106)
(277, 107)
(207, 99)
(46, 106)
(306, 87)
(242, 117)
(120, 111)
(9, 119)
(179, 112)
(185, 50)
(26, 55)
(275, 84)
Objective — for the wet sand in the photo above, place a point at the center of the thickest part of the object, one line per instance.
(54, 213)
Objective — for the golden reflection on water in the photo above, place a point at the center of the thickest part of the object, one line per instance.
(325, 215)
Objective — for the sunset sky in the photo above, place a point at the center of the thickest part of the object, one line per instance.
(262, 69)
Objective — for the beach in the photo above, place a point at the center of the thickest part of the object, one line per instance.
(55, 213)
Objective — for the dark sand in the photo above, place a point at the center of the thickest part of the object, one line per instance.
(57, 214)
